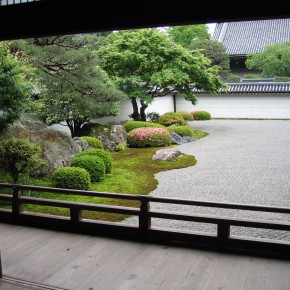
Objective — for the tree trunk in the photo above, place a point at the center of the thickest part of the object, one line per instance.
(135, 115)
(142, 110)
(70, 124)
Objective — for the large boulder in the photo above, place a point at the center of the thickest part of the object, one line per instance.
(177, 139)
(110, 135)
(166, 154)
(58, 148)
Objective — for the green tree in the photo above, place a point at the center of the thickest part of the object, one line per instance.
(77, 89)
(19, 157)
(274, 61)
(186, 34)
(147, 63)
(215, 51)
(16, 85)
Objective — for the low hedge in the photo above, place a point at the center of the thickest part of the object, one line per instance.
(93, 142)
(181, 130)
(103, 154)
(71, 178)
(92, 163)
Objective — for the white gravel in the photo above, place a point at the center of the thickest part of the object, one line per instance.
(240, 161)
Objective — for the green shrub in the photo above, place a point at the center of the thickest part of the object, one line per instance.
(121, 147)
(20, 157)
(72, 178)
(101, 153)
(130, 125)
(201, 115)
(148, 137)
(172, 118)
(153, 117)
(93, 164)
(93, 142)
(186, 116)
(181, 130)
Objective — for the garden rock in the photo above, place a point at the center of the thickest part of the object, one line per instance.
(110, 135)
(82, 143)
(166, 154)
(58, 148)
(177, 139)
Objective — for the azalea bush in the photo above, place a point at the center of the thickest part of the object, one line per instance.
(187, 116)
(172, 118)
(201, 115)
(130, 125)
(149, 137)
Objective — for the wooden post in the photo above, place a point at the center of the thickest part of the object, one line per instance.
(223, 232)
(144, 219)
(17, 206)
(75, 215)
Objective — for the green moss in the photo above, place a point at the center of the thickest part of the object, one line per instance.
(133, 172)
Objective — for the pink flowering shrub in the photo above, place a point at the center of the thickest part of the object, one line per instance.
(148, 137)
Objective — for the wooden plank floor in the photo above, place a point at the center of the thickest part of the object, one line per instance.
(81, 262)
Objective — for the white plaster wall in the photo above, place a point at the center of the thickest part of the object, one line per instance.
(271, 106)
(160, 105)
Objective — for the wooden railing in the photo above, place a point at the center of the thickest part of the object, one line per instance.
(222, 240)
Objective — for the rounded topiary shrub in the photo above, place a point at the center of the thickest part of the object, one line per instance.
(94, 165)
(187, 116)
(71, 178)
(181, 130)
(130, 125)
(201, 115)
(149, 137)
(103, 154)
(172, 118)
(93, 142)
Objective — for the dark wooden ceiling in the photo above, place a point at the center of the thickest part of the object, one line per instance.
(54, 17)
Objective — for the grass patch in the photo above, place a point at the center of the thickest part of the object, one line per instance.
(133, 172)
(199, 134)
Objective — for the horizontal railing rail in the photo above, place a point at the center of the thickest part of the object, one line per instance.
(222, 239)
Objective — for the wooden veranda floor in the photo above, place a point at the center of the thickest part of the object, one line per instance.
(82, 262)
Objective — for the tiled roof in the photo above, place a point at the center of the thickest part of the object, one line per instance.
(244, 37)
(253, 87)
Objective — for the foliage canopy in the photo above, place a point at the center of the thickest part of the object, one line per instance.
(147, 63)
(77, 89)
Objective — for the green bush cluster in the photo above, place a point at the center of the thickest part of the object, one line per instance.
(101, 153)
(181, 130)
(130, 125)
(71, 178)
(186, 116)
(201, 115)
(172, 118)
(148, 137)
(20, 157)
(93, 142)
(93, 164)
